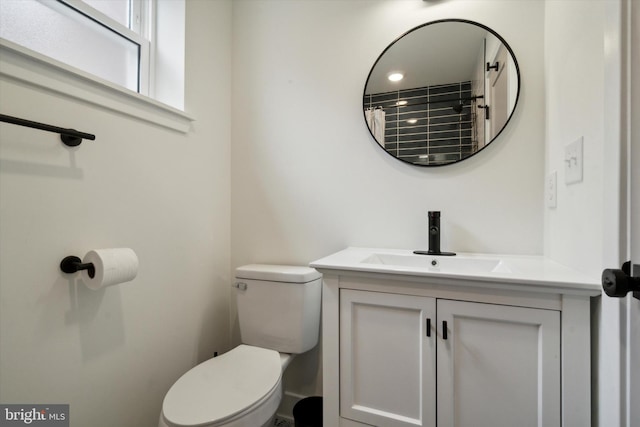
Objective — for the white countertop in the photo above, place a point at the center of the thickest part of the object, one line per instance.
(536, 271)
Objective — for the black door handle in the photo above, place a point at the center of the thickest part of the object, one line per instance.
(428, 327)
(618, 282)
(444, 330)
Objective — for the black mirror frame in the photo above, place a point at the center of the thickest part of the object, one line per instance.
(463, 21)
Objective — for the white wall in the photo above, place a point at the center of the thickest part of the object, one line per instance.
(574, 86)
(113, 354)
(586, 230)
(307, 178)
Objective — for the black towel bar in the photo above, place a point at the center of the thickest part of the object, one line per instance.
(70, 137)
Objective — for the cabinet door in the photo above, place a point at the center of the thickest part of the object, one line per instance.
(498, 366)
(387, 359)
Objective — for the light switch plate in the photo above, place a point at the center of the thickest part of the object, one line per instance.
(573, 160)
(551, 190)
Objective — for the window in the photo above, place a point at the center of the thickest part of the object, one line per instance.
(109, 39)
(119, 41)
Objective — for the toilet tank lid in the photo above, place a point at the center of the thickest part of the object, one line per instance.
(277, 273)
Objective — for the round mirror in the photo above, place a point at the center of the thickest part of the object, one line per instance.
(441, 92)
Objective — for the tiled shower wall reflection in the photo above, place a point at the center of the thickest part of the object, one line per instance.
(422, 125)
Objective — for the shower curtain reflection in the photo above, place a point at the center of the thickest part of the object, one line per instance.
(376, 120)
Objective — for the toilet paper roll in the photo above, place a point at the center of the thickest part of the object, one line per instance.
(111, 266)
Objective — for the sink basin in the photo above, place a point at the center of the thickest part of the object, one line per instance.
(490, 269)
(457, 264)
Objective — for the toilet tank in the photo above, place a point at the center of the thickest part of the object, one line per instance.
(279, 306)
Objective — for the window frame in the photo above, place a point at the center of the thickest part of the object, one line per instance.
(141, 18)
(42, 73)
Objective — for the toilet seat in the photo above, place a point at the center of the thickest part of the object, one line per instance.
(223, 388)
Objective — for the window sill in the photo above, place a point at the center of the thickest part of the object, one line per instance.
(26, 66)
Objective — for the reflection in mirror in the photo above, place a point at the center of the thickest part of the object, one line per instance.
(441, 92)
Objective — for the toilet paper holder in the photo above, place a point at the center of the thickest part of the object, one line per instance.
(72, 264)
(103, 267)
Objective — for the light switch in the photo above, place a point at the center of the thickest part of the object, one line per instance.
(573, 162)
(551, 190)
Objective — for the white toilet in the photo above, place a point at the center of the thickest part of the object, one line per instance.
(279, 316)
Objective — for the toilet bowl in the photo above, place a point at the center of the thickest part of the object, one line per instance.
(279, 316)
(240, 388)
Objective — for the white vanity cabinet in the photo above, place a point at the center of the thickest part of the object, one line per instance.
(497, 365)
(387, 358)
(413, 343)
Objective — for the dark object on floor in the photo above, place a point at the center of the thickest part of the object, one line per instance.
(308, 412)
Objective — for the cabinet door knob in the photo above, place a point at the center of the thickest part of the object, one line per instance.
(444, 330)
(428, 327)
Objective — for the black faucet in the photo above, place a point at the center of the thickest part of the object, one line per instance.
(434, 237)
(434, 232)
